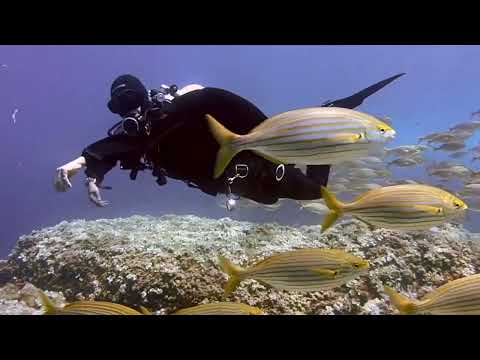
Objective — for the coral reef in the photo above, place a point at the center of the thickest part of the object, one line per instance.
(170, 262)
(6, 272)
(22, 299)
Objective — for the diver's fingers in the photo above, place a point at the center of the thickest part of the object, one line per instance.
(61, 181)
(58, 181)
(63, 175)
(58, 185)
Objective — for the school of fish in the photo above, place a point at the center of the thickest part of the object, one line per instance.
(353, 143)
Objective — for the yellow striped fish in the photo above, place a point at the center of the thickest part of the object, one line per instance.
(398, 207)
(458, 297)
(220, 308)
(311, 136)
(85, 308)
(299, 270)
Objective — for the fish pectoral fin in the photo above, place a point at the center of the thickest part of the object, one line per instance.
(346, 138)
(434, 210)
(325, 272)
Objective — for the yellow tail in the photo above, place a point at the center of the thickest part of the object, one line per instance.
(401, 302)
(233, 271)
(144, 310)
(48, 306)
(335, 206)
(224, 137)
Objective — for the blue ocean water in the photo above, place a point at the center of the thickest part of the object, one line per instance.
(53, 104)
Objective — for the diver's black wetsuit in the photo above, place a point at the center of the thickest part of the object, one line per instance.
(182, 144)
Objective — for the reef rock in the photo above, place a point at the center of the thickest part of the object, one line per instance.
(22, 299)
(170, 262)
(6, 272)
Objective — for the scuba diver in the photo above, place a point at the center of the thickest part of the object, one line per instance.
(164, 130)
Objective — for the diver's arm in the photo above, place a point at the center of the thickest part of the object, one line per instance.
(97, 159)
(186, 89)
(67, 171)
(189, 88)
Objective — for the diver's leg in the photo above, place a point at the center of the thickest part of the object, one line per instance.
(262, 186)
(295, 185)
(357, 99)
(319, 174)
(258, 185)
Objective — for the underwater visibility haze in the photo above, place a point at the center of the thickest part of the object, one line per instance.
(404, 183)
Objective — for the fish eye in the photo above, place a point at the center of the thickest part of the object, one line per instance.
(456, 204)
(356, 265)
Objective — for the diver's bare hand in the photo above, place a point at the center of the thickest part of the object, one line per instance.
(94, 194)
(62, 181)
(66, 172)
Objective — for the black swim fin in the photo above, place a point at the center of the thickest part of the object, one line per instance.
(357, 99)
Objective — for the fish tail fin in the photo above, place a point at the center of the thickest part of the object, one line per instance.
(144, 310)
(47, 304)
(401, 302)
(233, 271)
(335, 207)
(224, 137)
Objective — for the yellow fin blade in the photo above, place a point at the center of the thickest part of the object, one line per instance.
(401, 302)
(335, 207)
(144, 310)
(224, 137)
(233, 271)
(48, 306)
(329, 220)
